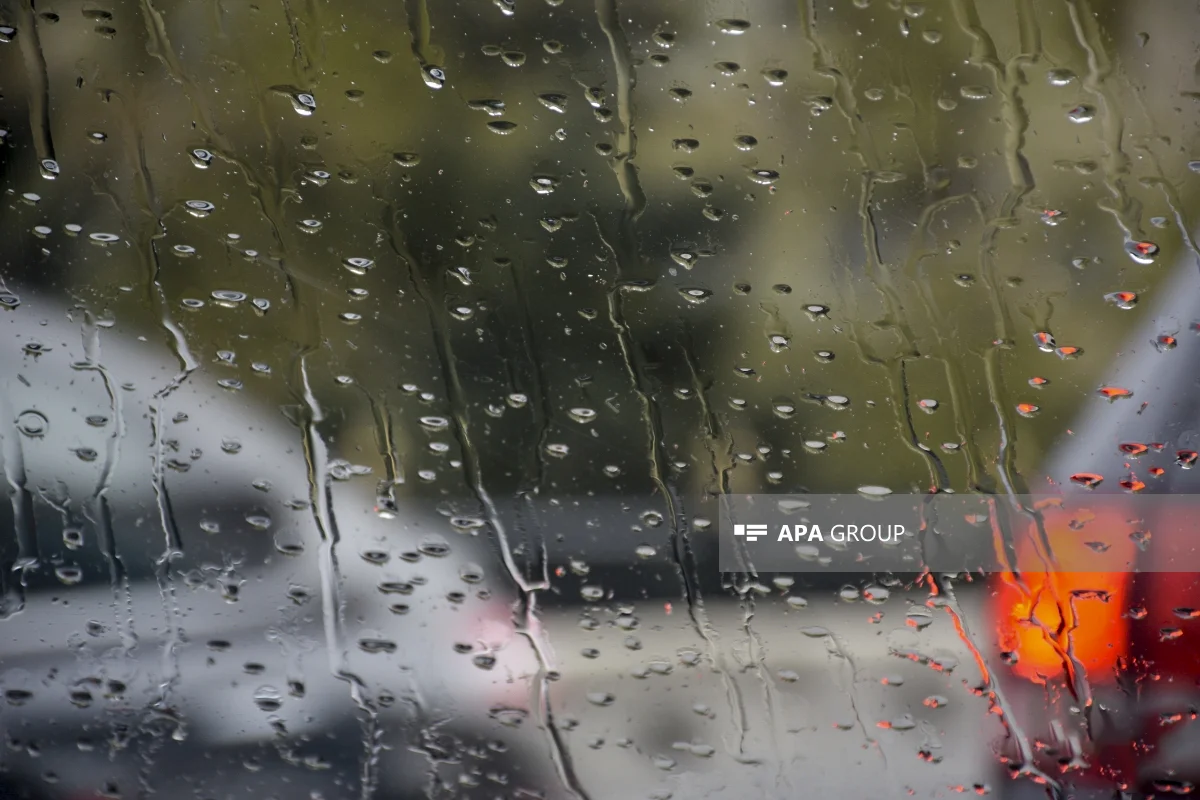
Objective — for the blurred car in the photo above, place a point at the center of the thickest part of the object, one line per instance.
(174, 594)
(1103, 678)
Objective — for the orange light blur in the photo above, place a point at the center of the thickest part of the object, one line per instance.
(1048, 618)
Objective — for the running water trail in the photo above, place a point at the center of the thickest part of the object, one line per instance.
(529, 625)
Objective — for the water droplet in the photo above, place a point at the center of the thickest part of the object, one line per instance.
(733, 27)
(201, 158)
(376, 646)
(763, 177)
(228, 298)
(975, 92)
(304, 103)
(268, 698)
(544, 184)
(1114, 392)
(309, 225)
(49, 169)
(359, 266)
(874, 491)
(775, 77)
(1027, 409)
(434, 77)
(1122, 300)
(554, 102)
(502, 127)
(1060, 77)
(745, 142)
(1142, 252)
(407, 159)
(601, 698)
(199, 208)
(695, 294)
(507, 716)
(72, 538)
(928, 406)
(583, 415)
(69, 576)
(1186, 458)
(1081, 113)
(33, 424)
(7, 34)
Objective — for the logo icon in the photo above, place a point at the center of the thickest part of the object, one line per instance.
(752, 533)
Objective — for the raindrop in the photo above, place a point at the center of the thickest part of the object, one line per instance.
(268, 698)
(544, 184)
(1122, 300)
(304, 103)
(375, 646)
(1044, 341)
(1081, 113)
(199, 208)
(975, 92)
(686, 146)
(7, 34)
(928, 406)
(33, 424)
(733, 27)
(745, 142)
(358, 266)
(49, 168)
(1027, 409)
(407, 159)
(1142, 252)
(69, 576)
(434, 77)
(1060, 77)
(309, 225)
(492, 107)
(695, 294)
(201, 158)
(775, 77)
(554, 102)
(764, 177)
(582, 415)
(502, 127)
(874, 491)
(228, 298)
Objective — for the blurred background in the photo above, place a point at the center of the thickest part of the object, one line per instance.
(371, 371)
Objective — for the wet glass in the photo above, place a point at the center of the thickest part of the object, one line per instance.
(374, 370)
